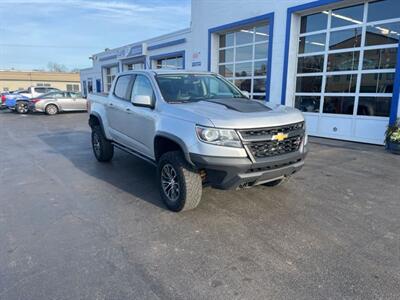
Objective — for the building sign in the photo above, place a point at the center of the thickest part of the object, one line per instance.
(196, 59)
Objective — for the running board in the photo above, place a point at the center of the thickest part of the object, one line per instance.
(135, 153)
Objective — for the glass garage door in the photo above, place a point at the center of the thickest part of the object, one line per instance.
(346, 68)
(242, 58)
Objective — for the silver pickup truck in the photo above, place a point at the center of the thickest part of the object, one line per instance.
(199, 130)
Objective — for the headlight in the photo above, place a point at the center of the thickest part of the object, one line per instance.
(220, 137)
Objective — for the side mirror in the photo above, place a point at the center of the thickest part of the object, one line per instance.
(143, 100)
(246, 94)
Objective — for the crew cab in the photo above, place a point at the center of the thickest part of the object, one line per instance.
(198, 129)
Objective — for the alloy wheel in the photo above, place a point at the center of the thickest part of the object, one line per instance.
(170, 182)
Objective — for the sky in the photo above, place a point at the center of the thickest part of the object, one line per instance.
(36, 32)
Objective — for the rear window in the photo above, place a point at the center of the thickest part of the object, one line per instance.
(122, 86)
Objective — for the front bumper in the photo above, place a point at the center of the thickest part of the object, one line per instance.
(233, 173)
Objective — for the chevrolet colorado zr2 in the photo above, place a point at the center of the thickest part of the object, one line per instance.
(199, 130)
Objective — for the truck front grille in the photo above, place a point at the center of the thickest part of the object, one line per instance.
(265, 142)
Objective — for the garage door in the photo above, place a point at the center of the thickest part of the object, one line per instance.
(346, 68)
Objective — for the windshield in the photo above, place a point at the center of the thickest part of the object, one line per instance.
(195, 87)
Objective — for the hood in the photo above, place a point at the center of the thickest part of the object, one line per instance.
(236, 113)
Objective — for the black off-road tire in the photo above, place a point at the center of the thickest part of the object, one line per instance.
(51, 109)
(103, 149)
(190, 183)
(21, 107)
(277, 182)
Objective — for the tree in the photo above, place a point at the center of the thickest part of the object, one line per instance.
(56, 67)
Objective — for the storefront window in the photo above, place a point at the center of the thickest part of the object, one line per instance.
(175, 62)
(243, 58)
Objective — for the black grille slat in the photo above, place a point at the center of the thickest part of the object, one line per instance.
(260, 142)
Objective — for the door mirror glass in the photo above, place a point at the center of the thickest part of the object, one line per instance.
(246, 94)
(142, 100)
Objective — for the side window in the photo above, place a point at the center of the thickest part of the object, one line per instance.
(40, 90)
(121, 89)
(142, 87)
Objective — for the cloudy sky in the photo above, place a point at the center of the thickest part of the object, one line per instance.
(35, 32)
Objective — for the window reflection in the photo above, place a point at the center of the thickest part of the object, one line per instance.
(343, 39)
(380, 59)
(383, 10)
(309, 84)
(377, 83)
(308, 103)
(339, 105)
(312, 43)
(341, 83)
(343, 61)
(347, 16)
(310, 64)
(382, 34)
(374, 106)
(314, 22)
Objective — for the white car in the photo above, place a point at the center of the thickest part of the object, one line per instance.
(34, 91)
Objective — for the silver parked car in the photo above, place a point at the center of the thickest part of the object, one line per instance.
(55, 102)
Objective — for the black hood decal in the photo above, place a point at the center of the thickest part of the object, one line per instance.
(241, 105)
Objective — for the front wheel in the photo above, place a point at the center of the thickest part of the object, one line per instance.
(180, 185)
(22, 108)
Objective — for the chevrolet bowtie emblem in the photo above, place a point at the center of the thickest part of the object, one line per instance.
(280, 137)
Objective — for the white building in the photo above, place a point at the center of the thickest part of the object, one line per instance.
(336, 60)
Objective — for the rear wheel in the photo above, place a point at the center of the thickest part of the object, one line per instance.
(180, 185)
(22, 108)
(51, 109)
(103, 149)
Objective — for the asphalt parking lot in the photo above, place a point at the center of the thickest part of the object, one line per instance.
(72, 228)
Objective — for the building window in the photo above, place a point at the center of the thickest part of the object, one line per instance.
(133, 66)
(347, 58)
(5, 89)
(175, 62)
(43, 84)
(109, 74)
(72, 87)
(243, 58)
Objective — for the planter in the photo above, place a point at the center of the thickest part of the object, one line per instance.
(393, 147)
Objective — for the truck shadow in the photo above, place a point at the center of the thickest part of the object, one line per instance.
(125, 172)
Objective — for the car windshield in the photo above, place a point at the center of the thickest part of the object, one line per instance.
(178, 88)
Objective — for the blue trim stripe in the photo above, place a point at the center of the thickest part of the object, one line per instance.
(107, 57)
(167, 44)
(168, 55)
(267, 17)
(396, 91)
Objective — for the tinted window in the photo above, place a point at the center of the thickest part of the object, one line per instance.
(374, 106)
(226, 55)
(380, 59)
(313, 22)
(244, 36)
(310, 84)
(122, 87)
(377, 83)
(226, 70)
(343, 61)
(382, 10)
(308, 103)
(226, 40)
(260, 68)
(142, 87)
(339, 105)
(261, 51)
(244, 53)
(341, 83)
(310, 64)
(40, 90)
(243, 69)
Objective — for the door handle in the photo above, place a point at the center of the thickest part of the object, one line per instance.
(110, 105)
(128, 109)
